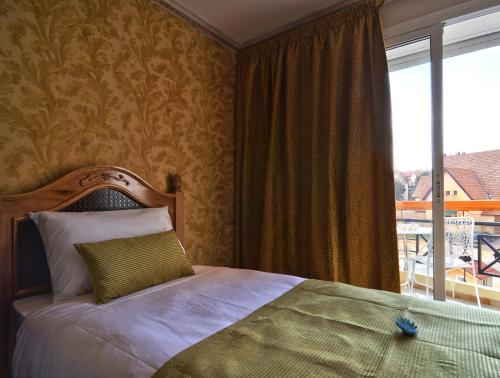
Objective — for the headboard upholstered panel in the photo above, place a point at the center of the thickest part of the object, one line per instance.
(23, 265)
(104, 199)
(31, 266)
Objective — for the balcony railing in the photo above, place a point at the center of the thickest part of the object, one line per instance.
(481, 239)
(478, 205)
(486, 239)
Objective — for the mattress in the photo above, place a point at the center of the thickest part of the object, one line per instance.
(21, 308)
(135, 335)
(25, 306)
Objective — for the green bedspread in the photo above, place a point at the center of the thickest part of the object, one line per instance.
(331, 329)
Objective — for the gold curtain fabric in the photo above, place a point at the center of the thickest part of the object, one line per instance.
(314, 181)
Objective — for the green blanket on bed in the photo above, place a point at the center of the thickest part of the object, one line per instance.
(331, 329)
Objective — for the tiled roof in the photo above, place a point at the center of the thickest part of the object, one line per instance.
(406, 175)
(468, 181)
(423, 187)
(477, 173)
(486, 167)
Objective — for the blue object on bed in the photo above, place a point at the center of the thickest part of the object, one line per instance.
(407, 326)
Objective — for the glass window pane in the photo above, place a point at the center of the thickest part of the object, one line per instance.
(410, 80)
(471, 82)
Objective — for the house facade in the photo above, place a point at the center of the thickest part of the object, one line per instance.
(467, 176)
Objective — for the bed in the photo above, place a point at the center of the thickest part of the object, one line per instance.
(218, 321)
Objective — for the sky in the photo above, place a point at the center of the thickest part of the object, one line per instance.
(471, 108)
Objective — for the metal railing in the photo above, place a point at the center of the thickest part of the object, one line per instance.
(481, 240)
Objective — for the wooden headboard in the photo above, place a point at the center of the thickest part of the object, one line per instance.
(23, 264)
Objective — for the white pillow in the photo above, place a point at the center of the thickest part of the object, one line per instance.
(59, 231)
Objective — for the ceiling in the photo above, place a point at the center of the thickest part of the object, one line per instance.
(240, 23)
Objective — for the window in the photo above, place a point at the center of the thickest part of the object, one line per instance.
(410, 79)
(450, 69)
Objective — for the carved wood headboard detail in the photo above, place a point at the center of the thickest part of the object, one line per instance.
(23, 265)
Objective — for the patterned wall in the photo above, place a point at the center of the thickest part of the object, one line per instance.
(126, 83)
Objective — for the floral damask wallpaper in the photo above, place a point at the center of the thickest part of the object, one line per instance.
(120, 82)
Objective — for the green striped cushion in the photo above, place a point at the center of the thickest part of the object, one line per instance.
(122, 266)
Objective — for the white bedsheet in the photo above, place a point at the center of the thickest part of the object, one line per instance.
(135, 335)
(25, 306)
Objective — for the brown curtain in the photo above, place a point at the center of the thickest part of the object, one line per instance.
(314, 180)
